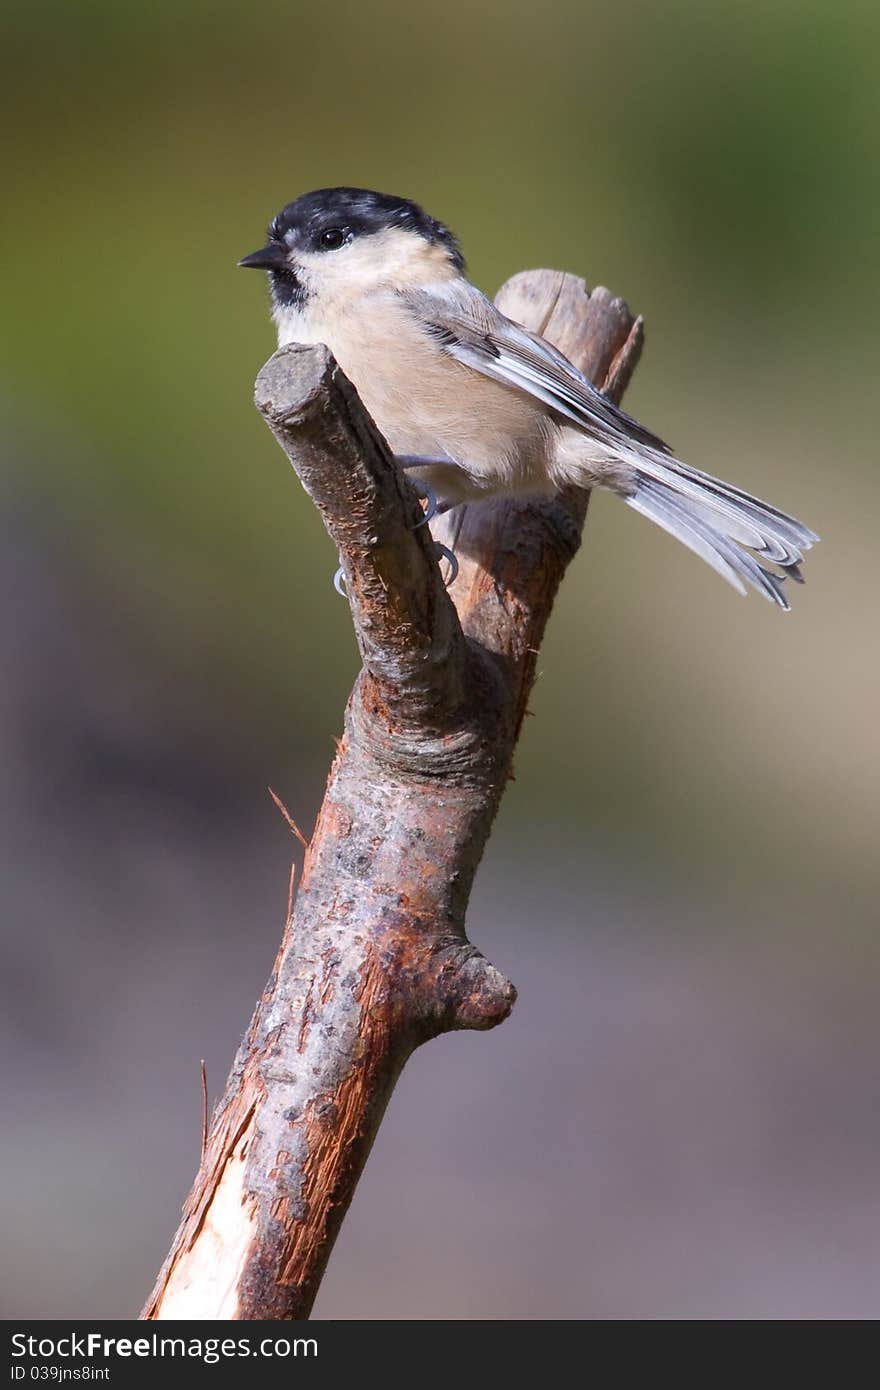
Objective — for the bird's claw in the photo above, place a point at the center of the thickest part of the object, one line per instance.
(442, 551)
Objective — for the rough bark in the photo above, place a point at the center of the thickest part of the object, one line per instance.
(374, 960)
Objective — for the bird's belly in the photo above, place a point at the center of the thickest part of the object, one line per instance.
(427, 403)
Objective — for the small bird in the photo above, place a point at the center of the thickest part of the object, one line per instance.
(472, 403)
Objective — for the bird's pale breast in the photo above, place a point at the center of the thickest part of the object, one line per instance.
(425, 402)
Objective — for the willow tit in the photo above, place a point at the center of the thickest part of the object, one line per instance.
(475, 404)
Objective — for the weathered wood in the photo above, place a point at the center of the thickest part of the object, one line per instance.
(374, 960)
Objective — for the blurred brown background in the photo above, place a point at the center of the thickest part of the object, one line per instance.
(681, 1118)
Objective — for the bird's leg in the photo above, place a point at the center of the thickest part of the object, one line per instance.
(412, 463)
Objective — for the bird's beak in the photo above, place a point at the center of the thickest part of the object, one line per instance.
(272, 256)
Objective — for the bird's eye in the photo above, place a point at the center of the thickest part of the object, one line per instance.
(331, 239)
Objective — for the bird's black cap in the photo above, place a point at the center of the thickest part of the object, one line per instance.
(356, 212)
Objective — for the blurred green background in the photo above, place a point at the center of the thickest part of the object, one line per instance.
(699, 788)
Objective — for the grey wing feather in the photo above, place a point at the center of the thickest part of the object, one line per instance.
(485, 339)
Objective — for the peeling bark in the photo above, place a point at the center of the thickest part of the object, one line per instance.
(374, 960)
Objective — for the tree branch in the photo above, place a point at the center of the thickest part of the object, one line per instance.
(374, 960)
(410, 640)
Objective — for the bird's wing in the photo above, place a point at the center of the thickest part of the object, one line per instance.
(477, 334)
(714, 518)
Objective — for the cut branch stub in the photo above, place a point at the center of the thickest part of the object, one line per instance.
(375, 960)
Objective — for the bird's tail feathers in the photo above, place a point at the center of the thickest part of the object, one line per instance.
(731, 530)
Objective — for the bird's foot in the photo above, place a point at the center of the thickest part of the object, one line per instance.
(412, 463)
(442, 551)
